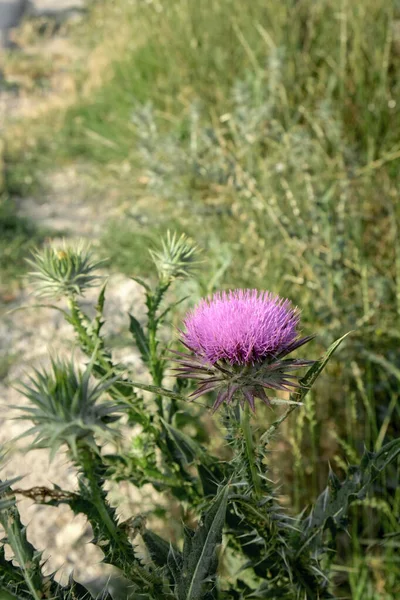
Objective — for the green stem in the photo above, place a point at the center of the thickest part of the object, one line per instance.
(155, 367)
(267, 436)
(121, 552)
(36, 594)
(23, 551)
(249, 446)
(106, 522)
(92, 343)
(153, 302)
(99, 502)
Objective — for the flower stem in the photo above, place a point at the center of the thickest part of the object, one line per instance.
(98, 496)
(249, 448)
(103, 518)
(120, 551)
(153, 301)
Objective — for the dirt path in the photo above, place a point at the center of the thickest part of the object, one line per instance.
(27, 337)
(32, 335)
(13, 11)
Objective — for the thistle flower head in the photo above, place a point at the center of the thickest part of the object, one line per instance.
(64, 270)
(64, 407)
(176, 258)
(241, 327)
(238, 342)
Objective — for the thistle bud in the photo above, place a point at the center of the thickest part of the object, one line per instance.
(65, 271)
(65, 408)
(176, 258)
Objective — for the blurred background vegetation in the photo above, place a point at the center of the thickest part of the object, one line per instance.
(270, 133)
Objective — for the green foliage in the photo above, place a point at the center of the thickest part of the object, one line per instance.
(233, 499)
(5, 500)
(177, 257)
(22, 578)
(27, 581)
(140, 338)
(331, 508)
(59, 273)
(65, 409)
(196, 576)
(193, 571)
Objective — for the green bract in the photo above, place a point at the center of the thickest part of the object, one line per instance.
(64, 271)
(176, 258)
(65, 407)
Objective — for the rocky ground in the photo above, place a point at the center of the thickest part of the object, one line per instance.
(33, 334)
(13, 11)
(28, 336)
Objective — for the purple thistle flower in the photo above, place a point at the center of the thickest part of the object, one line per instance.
(238, 341)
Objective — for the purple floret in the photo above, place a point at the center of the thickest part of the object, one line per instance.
(238, 344)
(241, 327)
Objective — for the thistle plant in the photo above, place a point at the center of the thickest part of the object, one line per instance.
(233, 348)
(65, 409)
(62, 271)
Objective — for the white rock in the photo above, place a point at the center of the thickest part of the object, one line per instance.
(54, 6)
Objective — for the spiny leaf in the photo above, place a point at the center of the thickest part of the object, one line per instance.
(6, 501)
(27, 557)
(188, 449)
(316, 369)
(157, 547)
(140, 338)
(331, 507)
(10, 574)
(163, 554)
(141, 283)
(174, 562)
(98, 320)
(200, 561)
